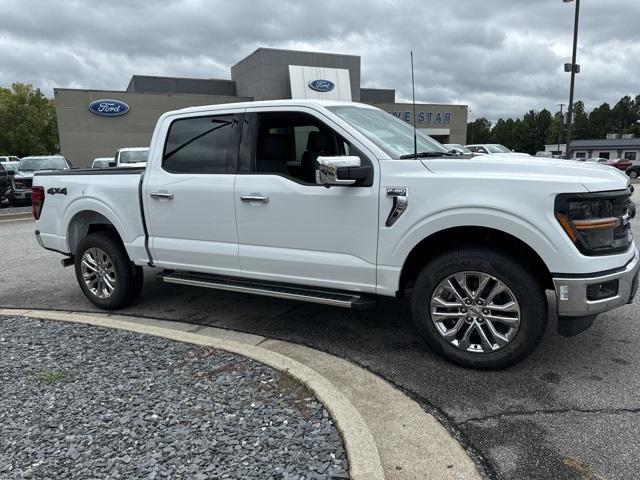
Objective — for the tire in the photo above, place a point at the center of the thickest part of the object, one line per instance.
(523, 301)
(114, 282)
(633, 173)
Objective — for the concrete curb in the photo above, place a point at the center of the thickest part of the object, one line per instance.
(386, 434)
(14, 217)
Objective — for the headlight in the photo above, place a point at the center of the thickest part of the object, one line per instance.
(18, 184)
(598, 223)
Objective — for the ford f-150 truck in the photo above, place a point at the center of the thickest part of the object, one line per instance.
(332, 202)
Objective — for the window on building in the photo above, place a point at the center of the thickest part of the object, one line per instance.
(581, 154)
(630, 156)
(604, 155)
(199, 145)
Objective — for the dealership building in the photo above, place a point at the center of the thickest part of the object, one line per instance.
(95, 123)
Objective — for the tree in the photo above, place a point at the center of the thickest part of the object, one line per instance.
(479, 131)
(581, 125)
(28, 123)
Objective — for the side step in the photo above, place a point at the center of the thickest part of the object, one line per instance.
(336, 298)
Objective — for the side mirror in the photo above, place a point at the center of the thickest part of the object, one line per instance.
(112, 164)
(345, 170)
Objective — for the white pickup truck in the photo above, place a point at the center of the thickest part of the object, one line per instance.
(330, 202)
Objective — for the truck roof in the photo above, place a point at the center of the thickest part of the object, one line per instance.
(270, 103)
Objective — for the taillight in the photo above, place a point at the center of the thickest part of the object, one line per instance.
(37, 201)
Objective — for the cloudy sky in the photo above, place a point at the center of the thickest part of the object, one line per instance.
(501, 57)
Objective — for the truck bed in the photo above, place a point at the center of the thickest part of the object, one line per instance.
(112, 193)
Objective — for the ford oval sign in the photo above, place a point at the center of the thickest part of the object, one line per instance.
(321, 85)
(108, 108)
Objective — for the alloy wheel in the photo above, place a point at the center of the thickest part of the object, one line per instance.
(98, 272)
(475, 312)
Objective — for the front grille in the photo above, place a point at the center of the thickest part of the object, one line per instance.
(23, 183)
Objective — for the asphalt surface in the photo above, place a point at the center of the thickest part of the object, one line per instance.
(569, 411)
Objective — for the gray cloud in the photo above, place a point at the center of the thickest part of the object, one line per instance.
(501, 57)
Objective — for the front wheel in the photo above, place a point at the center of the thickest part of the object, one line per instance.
(633, 173)
(479, 307)
(104, 272)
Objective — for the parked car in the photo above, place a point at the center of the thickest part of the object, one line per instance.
(9, 158)
(11, 167)
(103, 162)
(20, 193)
(457, 149)
(492, 148)
(545, 154)
(633, 171)
(5, 184)
(329, 202)
(132, 157)
(619, 163)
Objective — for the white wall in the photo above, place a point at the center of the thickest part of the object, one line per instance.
(300, 78)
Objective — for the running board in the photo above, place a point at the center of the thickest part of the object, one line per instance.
(336, 298)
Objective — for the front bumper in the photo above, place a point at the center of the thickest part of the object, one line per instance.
(573, 293)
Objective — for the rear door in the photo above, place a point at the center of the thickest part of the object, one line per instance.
(289, 228)
(188, 192)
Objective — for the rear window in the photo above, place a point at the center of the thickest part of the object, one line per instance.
(42, 163)
(199, 145)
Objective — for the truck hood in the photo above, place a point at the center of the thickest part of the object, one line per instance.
(592, 176)
(20, 175)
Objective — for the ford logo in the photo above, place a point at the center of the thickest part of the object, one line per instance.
(108, 108)
(321, 85)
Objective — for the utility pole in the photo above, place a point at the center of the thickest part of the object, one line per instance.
(561, 126)
(574, 68)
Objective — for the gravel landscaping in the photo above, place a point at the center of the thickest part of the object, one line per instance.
(79, 401)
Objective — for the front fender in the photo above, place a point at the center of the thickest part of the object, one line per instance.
(501, 220)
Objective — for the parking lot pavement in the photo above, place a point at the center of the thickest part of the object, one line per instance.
(571, 410)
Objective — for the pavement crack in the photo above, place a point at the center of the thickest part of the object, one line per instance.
(556, 411)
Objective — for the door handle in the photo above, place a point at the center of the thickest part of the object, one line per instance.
(158, 195)
(255, 197)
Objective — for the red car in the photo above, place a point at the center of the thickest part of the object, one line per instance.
(620, 163)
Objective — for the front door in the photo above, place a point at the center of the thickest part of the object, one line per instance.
(188, 193)
(289, 228)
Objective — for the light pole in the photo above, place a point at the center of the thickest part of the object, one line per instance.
(560, 129)
(574, 68)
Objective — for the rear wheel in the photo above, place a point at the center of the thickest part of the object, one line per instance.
(479, 307)
(633, 173)
(104, 272)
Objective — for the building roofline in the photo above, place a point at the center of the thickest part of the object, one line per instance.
(124, 92)
(272, 49)
(183, 78)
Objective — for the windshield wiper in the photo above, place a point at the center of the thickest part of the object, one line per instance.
(426, 155)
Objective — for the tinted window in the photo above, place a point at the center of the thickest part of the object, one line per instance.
(289, 143)
(199, 145)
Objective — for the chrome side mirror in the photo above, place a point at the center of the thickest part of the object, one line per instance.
(345, 170)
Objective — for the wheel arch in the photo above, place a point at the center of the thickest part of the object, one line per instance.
(453, 237)
(84, 223)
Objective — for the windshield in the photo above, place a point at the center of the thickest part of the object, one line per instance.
(42, 163)
(133, 156)
(498, 149)
(391, 134)
(10, 167)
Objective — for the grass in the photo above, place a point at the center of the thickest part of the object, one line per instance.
(53, 376)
